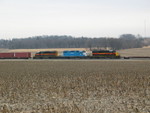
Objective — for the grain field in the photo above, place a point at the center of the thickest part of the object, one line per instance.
(79, 86)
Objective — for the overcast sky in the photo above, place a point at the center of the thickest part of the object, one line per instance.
(91, 18)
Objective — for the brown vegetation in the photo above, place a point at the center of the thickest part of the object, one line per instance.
(78, 86)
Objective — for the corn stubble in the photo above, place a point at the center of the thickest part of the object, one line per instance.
(75, 86)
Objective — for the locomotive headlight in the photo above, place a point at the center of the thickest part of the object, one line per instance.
(117, 54)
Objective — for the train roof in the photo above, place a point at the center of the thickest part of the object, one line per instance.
(103, 51)
(47, 52)
(73, 51)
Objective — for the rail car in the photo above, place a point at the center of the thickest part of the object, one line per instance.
(15, 55)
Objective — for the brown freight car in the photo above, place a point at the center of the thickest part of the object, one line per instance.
(15, 55)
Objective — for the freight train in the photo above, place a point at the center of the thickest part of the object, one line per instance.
(95, 54)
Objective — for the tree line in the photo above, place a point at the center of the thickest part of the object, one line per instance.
(125, 41)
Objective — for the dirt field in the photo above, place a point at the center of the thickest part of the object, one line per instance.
(79, 86)
(135, 52)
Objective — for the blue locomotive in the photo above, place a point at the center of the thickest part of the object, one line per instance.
(74, 53)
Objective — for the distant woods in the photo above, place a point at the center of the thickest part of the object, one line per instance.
(125, 41)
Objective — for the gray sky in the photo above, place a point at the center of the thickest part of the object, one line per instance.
(91, 18)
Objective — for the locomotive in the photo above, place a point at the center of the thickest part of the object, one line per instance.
(46, 55)
(105, 54)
